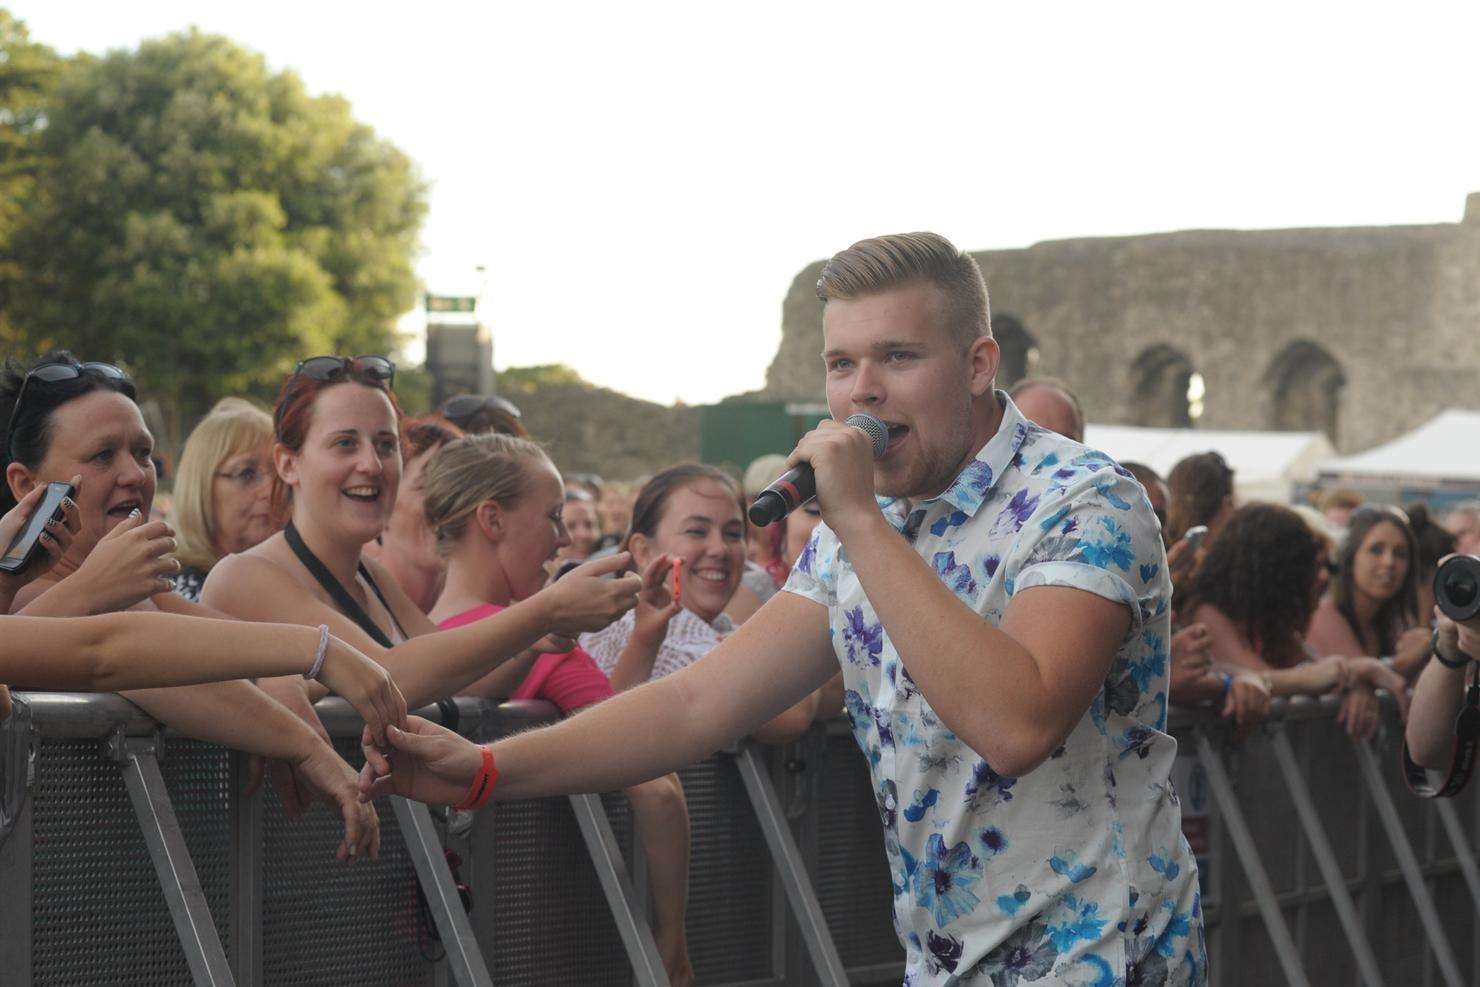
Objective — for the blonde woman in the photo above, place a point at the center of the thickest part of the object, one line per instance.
(223, 490)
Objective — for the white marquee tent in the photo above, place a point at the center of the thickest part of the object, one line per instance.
(1440, 456)
(1267, 465)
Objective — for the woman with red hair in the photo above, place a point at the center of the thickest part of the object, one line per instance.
(339, 470)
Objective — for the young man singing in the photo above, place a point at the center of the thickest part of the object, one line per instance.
(997, 598)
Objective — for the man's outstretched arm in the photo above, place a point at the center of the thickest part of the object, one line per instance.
(776, 658)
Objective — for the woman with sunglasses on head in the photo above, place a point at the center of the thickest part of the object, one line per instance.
(79, 420)
(223, 490)
(338, 465)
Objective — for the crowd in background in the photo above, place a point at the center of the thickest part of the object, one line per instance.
(448, 551)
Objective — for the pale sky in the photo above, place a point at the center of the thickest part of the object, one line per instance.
(642, 181)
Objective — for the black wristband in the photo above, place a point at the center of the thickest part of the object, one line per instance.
(1461, 662)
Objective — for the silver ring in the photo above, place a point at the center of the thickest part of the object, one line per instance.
(169, 583)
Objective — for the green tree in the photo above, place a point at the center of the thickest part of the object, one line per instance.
(527, 380)
(28, 71)
(205, 222)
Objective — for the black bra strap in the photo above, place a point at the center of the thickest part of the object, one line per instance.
(347, 604)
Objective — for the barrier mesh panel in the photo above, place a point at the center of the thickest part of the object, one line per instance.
(852, 873)
(551, 924)
(326, 923)
(731, 936)
(98, 915)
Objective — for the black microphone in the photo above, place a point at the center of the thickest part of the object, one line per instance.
(798, 485)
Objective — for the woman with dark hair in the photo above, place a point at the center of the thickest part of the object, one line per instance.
(693, 514)
(1255, 592)
(68, 419)
(338, 464)
(1372, 605)
(1201, 492)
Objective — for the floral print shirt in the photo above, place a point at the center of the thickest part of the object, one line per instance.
(1076, 872)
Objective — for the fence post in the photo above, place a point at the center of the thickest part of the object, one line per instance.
(1310, 820)
(456, 932)
(621, 897)
(172, 864)
(16, 846)
(1253, 864)
(1387, 812)
(246, 877)
(789, 864)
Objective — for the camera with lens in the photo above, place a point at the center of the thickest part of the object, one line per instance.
(1457, 587)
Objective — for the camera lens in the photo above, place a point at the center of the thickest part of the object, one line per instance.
(1457, 587)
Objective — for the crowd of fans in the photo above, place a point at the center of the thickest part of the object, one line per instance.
(402, 560)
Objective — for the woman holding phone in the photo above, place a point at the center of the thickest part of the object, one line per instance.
(69, 421)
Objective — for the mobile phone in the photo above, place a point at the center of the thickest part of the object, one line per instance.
(566, 567)
(1195, 535)
(678, 581)
(23, 550)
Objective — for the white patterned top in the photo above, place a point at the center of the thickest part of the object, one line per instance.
(689, 639)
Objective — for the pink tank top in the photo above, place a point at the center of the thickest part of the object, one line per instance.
(571, 680)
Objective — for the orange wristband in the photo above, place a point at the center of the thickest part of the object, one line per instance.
(482, 786)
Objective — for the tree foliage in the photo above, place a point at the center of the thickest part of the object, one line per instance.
(205, 222)
(28, 72)
(526, 380)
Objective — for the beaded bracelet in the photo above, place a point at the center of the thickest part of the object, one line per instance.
(482, 786)
(318, 658)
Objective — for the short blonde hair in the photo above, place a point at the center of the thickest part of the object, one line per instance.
(899, 259)
(231, 428)
(471, 471)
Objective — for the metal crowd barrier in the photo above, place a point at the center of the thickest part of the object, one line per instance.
(130, 868)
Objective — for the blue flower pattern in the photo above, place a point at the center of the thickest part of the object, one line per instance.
(1035, 879)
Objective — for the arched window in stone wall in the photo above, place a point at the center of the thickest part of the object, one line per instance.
(1019, 350)
(1305, 389)
(1166, 390)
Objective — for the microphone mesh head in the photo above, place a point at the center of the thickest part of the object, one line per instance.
(878, 434)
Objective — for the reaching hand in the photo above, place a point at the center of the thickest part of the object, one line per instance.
(656, 602)
(1375, 675)
(55, 539)
(294, 789)
(328, 773)
(1191, 659)
(367, 686)
(583, 601)
(429, 763)
(1247, 702)
(130, 563)
(1359, 712)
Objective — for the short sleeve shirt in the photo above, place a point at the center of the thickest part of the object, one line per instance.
(1076, 872)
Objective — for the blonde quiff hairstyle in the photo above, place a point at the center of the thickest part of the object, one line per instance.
(470, 471)
(229, 429)
(899, 259)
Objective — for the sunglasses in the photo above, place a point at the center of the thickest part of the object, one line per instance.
(55, 373)
(367, 369)
(463, 407)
